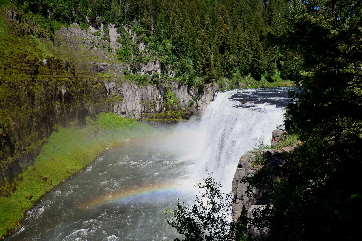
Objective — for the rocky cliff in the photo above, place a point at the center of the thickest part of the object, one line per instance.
(247, 197)
(143, 101)
(65, 100)
(50, 81)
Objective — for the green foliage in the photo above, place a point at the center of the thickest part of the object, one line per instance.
(288, 140)
(106, 33)
(319, 196)
(259, 154)
(97, 33)
(129, 51)
(171, 102)
(66, 152)
(249, 82)
(124, 54)
(139, 78)
(207, 218)
(196, 39)
(172, 107)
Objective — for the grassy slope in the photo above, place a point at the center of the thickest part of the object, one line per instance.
(66, 152)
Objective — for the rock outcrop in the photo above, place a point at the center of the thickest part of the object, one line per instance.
(242, 202)
(134, 100)
(247, 199)
(98, 48)
(72, 98)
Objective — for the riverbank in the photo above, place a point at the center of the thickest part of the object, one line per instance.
(66, 152)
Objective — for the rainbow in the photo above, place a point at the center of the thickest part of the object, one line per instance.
(131, 194)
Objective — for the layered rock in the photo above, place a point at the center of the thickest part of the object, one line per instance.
(65, 103)
(136, 100)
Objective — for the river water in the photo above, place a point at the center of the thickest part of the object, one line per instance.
(123, 194)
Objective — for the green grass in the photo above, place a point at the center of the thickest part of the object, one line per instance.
(288, 140)
(66, 152)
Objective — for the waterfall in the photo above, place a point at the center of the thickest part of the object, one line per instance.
(123, 194)
(226, 131)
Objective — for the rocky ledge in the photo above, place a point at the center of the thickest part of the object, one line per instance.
(248, 199)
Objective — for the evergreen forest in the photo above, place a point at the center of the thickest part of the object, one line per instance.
(317, 44)
(196, 41)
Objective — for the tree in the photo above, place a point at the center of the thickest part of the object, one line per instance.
(217, 37)
(328, 35)
(208, 218)
(320, 196)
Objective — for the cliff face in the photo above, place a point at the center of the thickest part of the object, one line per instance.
(42, 89)
(242, 202)
(70, 99)
(245, 202)
(142, 101)
(37, 97)
(247, 199)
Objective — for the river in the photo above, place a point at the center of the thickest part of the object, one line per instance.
(123, 194)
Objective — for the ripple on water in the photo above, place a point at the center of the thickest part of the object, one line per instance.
(113, 238)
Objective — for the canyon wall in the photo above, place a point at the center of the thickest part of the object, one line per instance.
(71, 102)
(269, 164)
(60, 79)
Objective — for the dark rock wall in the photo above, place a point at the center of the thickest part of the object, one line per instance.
(57, 95)
(247, 199)
(38, 95)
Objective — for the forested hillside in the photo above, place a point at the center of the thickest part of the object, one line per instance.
(195, 41)
(56, 57)
(234, 43)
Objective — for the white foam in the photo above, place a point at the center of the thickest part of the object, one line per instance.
(225, 133)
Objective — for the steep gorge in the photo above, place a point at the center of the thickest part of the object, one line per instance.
(50, 81)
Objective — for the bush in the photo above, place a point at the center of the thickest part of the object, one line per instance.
(208, 218)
